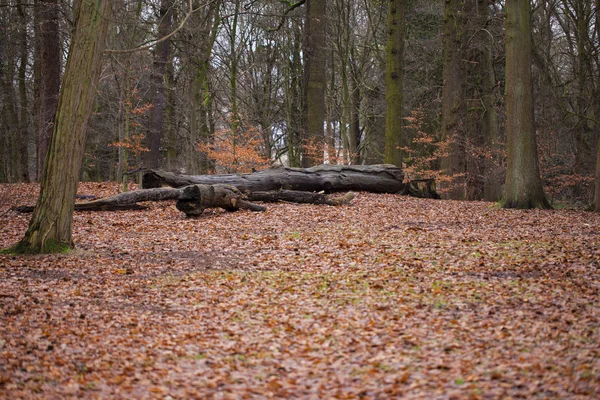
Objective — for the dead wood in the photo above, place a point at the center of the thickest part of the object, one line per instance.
(383, 178)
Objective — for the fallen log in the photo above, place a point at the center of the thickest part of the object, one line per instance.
(194, 199)
(122, 201)
(296, 196)
(382, 178)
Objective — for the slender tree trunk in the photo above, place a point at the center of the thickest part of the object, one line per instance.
(453, 119)
(50, 226)
(314, 80)
(9, 122)
(597, 180)
(597, 121)
(355, 133)
(48, 76)
(492, 187)
(523, 188)
(24, 120)
(205, 29)
(161, 59)
(394, 72)
(294, 97)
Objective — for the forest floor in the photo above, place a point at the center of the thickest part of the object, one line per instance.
(389, 297)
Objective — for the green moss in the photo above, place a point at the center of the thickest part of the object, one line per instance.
(24, 247)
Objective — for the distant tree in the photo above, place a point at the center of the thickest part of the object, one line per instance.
(523, 187)
(314, 77)
(394, 71)
(50, 226)
(47, 74)
(453, 116)
(159, 77)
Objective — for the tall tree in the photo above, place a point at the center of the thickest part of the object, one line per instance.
(314, 79)
(597, 116)
(394, 66)
(204, 27)
(453, 116)
(47, 74)
(523, 187)
(161, 59)
(50, 226)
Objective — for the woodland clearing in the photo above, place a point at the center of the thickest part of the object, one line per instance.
(388, 297)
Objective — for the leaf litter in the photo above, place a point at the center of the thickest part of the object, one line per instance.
(389, 297)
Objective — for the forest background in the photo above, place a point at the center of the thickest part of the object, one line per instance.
(227, 86)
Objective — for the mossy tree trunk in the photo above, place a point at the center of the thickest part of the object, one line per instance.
(394, 71)
(50, 226)
(523, 188)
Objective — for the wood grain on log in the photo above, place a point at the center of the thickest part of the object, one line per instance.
(382, 178)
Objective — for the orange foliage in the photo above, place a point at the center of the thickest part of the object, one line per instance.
(236, 150)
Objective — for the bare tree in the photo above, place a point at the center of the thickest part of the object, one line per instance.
(523, 188)
(50, 226)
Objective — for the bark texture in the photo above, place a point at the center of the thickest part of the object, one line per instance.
(159, 76)
(47, 77)
(523, 188)
(50, 226)
(394, 66)
(381, 178)
(314, 89)
(452, 129)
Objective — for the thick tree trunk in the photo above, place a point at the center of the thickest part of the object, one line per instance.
(50, 226)
(394, 72)
(452, 124)
(159, 66)
(381, 178)
(47, 74)
(314, 89)
(523, 188)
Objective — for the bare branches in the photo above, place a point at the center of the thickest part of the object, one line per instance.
(151, 43)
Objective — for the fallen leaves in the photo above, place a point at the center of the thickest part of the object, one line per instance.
(388, 297)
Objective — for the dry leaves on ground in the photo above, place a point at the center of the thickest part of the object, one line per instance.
(390, 297)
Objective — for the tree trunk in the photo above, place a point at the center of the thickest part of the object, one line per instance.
(381, 178)
(24, 121)
(9, 122)
(194, 199)
(452, 125)
(204, 27)
(523, 188)
(47, 74)
(314, 81)
(394, 72)
(597, 180)
(597, 122)
(161, 59)
(50, 226)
